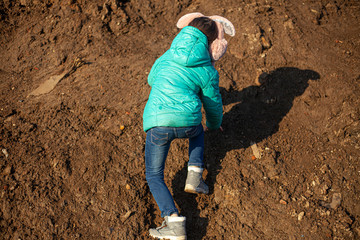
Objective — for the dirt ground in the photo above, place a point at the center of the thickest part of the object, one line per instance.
(72, 161)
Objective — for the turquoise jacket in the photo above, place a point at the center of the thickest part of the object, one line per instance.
(181, 80)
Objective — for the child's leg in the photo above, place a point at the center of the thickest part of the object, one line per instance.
(194, 182)
(196, 147)
(156, 149)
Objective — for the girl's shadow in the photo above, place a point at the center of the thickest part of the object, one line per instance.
(254, 116)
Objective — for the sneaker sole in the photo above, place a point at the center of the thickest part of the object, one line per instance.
(170, 237)
(190, 189)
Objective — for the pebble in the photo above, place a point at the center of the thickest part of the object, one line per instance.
(301, 216)
(7, 170)
(4, 151)
(289, 24)
(336, 200)
(255, 150)
(265, 43)
(126, 216)
(260, 80)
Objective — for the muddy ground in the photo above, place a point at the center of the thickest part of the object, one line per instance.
(72, 160)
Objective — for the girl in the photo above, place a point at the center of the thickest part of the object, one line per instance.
(181, 80)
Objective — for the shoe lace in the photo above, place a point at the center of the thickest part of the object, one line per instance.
(162, 225)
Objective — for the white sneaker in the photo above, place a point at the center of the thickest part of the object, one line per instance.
(194, 182)
(172, 228)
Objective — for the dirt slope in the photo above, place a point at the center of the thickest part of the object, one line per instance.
(68, 170)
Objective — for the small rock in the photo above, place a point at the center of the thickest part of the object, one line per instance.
(8, 170)
(289, 24)
(256, 150)
(301, 216)
(126, 216)
(265, 42)
(4, 151)
(335, 202)
(260, 80)
(283, 202)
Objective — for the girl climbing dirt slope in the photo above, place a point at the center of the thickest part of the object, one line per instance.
(72, 160)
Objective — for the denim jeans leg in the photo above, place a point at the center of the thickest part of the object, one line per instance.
(156, 150)
(196, 147)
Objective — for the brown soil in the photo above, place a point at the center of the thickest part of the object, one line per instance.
(68, 170)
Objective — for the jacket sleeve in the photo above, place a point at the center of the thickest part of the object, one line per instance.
(211, 98)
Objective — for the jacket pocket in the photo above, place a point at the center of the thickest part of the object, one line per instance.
(159, 139)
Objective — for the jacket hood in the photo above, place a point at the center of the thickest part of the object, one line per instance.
(190, 48)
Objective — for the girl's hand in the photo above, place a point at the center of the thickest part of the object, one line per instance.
(207, 129)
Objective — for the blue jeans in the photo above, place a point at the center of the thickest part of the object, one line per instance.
(157, 146)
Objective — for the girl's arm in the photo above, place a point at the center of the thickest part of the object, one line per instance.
(212, 102)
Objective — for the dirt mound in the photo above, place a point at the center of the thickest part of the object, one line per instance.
(72, 161)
